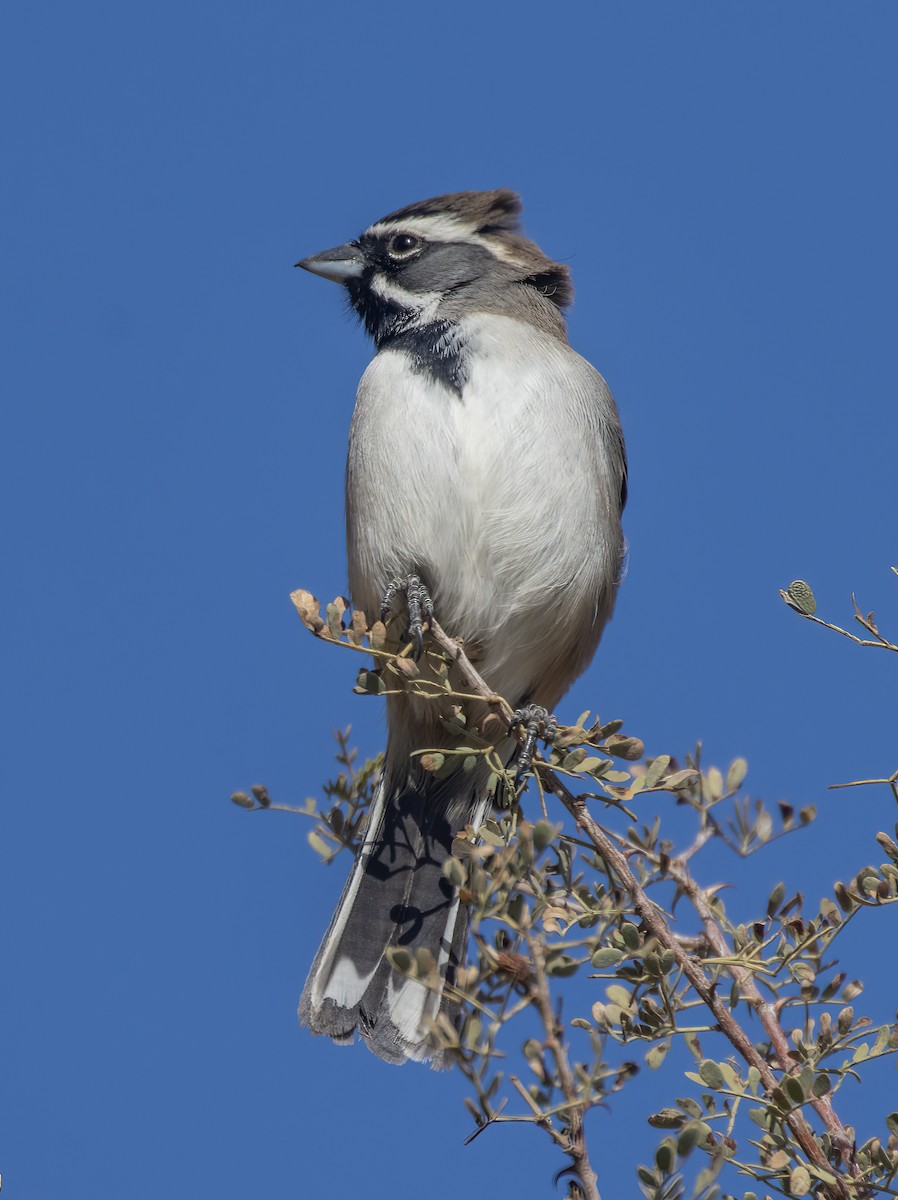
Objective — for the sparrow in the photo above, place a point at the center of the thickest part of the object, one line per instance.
(486, 478)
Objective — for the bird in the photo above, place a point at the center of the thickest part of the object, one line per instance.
(485, 484)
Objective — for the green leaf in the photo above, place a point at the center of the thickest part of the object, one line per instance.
(543, 834)
(591, 764)
(369, 683)
(561, 965)
(666, 1156)
(777, 896)
(821, 1085)
(656, 1056)
(656, 770)
(454, 871)
(794, 1090)
(759, 1116)
(401, 959)
(629, 748)
(711, 1074)
(680, 779)
(801, 597)
(690, 1136)
(607, 956)
(690, 1106)
(666, 1118)
(631, 937)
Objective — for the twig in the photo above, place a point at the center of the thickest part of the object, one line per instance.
(704, 987)
(891, 780)
(882, 642)
(575, 1144)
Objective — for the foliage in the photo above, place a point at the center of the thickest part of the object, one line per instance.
(589, 888)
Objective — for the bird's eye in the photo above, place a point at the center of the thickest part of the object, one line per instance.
(404, 244)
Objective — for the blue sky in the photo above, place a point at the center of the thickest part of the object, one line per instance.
(722, 180)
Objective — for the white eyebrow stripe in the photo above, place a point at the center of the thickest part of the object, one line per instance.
(438, 227)
(443, 227)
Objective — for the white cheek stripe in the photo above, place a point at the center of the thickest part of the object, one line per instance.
(425, 304)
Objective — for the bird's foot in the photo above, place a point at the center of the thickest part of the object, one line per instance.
(419, 606)
(536, 722)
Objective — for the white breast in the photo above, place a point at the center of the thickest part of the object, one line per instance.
(505, 499)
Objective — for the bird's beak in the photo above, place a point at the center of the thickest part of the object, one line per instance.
(340, 264)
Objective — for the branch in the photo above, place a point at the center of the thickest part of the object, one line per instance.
(704, 986)
(800, 598)
(575, 1145)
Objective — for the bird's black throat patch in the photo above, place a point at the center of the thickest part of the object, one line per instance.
(436, 350)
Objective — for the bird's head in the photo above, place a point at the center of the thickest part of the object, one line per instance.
(442, 258)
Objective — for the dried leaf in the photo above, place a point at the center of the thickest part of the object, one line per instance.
(377, 635)
(319, 845)
(307, 606)
(799, 1182)
(357, 628)
(736, 774)
(713, 784)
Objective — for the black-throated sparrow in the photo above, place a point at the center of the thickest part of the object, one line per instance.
(486, 476)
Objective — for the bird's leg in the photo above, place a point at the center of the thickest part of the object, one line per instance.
(418, 605)
(537, 722)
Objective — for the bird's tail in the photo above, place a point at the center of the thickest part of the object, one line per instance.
(397, 895)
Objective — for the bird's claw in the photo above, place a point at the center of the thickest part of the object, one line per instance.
(537, 722)
(419, 606)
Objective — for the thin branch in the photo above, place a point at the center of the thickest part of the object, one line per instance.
(882, 642)
(575, 1144)
(704, 986)
(891, 781)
